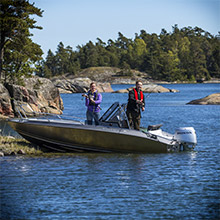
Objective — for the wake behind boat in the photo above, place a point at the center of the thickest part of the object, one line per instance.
(112, 135)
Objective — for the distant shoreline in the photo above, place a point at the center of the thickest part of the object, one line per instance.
(128, 81)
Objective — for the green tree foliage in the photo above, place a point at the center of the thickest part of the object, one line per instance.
(137, 50)
(184, 54)
(64, 61)
(18, 53)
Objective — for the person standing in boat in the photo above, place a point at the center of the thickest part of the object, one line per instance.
(136, 103)
(93, 101)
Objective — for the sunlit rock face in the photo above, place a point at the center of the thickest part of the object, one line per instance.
(5, 103)
(213, 99)
(37, 94)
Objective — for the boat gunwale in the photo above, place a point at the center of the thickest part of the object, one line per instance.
(77, 125)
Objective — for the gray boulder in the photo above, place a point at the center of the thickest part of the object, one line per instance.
(37, 95)
(213, 99)
(79, 85)
(149, 88)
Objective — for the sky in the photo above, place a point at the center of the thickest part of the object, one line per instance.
(76, 22)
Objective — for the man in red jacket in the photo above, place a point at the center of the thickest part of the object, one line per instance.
(136, 103)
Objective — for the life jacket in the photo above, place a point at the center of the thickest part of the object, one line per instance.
(136, 94)
(91, 95)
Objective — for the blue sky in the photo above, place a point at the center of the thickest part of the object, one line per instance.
(76, 22)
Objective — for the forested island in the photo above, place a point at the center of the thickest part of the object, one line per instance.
(186, 54)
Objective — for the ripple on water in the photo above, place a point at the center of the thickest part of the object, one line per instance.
(123, 186)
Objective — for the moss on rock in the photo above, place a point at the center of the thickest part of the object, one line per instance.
(15, 146)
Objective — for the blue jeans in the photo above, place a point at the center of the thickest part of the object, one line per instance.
(92, 115)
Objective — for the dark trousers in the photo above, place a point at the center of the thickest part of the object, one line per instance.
(134, 120)
(92, 115)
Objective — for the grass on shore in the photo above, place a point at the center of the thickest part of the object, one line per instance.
(12, 146)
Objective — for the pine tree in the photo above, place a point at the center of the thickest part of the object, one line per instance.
(18, 53)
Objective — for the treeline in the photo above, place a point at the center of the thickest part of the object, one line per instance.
(185, 54)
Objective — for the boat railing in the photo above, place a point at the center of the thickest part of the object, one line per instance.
(115, 115)
(21, 109)
(24, 114)
(165, 136)
(27, 115)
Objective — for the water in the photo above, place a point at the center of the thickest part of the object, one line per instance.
(124, 186)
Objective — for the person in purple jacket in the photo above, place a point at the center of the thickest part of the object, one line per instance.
(93, 101)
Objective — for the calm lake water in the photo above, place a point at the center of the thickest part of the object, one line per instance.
(124, 186)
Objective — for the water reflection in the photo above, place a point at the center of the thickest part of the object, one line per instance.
(24, 168)
(192, 156)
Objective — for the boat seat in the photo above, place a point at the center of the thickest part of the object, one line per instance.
(153, 127)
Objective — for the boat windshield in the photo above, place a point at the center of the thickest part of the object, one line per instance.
(115, 116)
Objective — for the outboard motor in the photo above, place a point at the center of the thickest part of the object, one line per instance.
(186, 136)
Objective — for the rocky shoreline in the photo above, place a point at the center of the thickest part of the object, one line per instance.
(43, 95)
(10, 146)
(81, 85)
(113, 75)
(36, 95)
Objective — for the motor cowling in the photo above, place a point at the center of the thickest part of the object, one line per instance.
(186, 135)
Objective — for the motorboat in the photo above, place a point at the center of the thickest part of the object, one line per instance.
(113, 134)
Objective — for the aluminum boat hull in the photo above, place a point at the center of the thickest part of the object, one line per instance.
(72, 136)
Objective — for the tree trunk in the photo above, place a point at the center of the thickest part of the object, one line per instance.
(1, 61)
(2, 44)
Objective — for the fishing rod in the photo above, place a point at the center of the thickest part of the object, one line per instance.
(152, 91)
